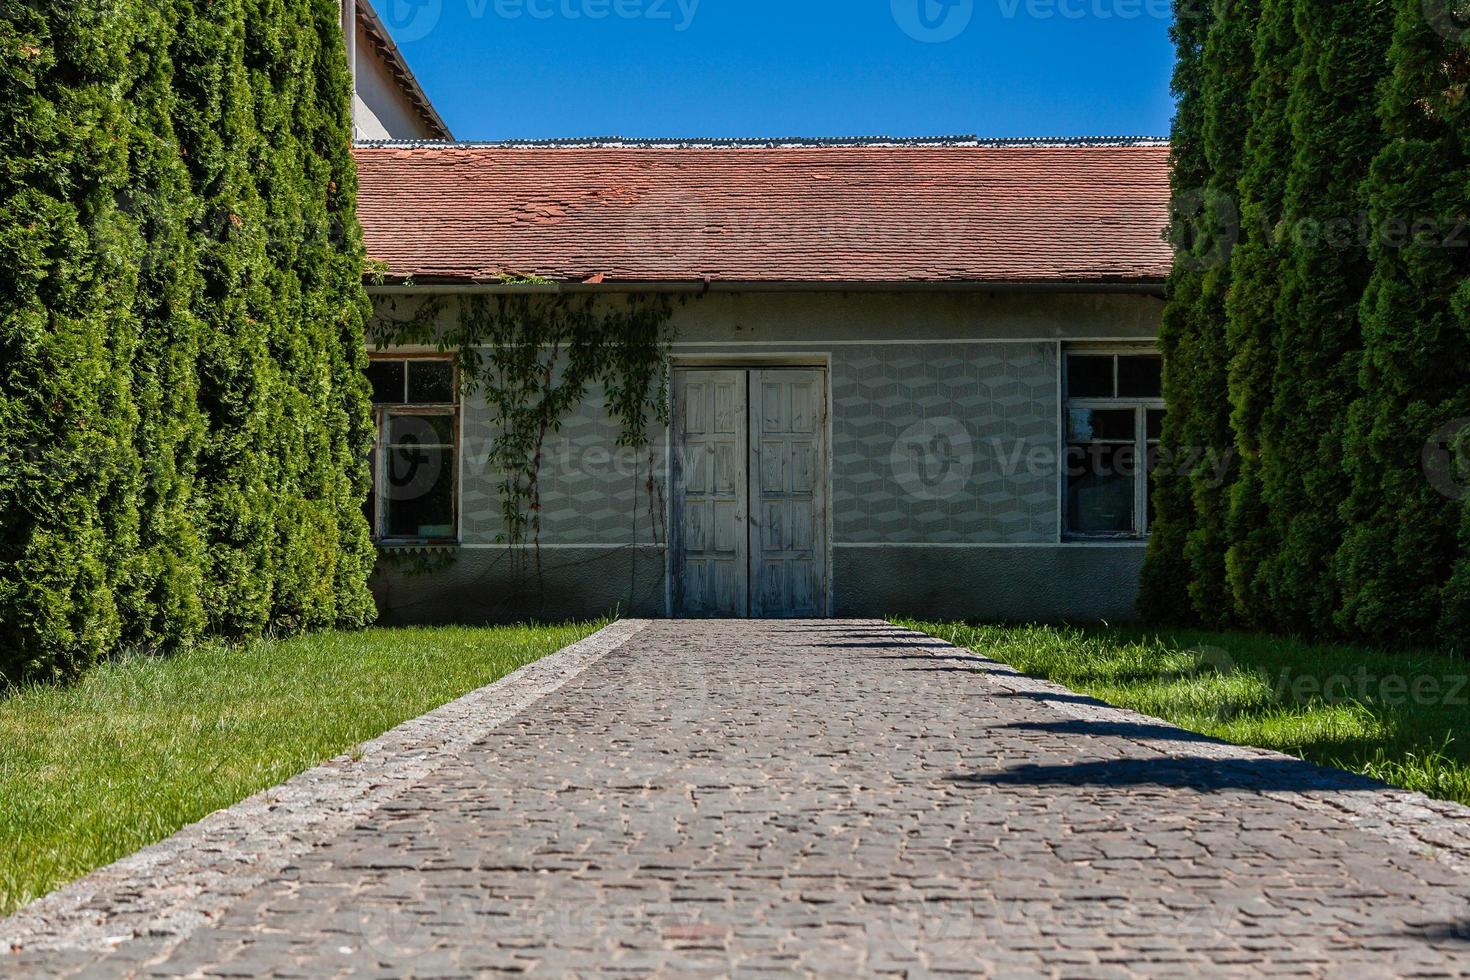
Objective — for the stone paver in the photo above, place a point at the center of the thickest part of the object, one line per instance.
(841, 799)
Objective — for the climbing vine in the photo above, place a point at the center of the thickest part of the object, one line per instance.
(534, 358)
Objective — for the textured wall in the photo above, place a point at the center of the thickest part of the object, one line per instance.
(939, 440)
(935, 443)
(383, 112)
(481, 586)
(1048, 584)
(592, 492)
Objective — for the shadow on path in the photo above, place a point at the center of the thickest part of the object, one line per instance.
(1050, 696)
(1198, 773)
(1114, 729)
(1452, 932)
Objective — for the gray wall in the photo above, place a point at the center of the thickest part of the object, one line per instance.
(381, 110)
(945, 418)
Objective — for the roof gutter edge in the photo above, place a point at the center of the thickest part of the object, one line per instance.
(1148, 287)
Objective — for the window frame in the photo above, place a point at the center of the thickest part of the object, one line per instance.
(1143, 446)
(383, 414)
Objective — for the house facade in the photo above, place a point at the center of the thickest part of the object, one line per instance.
(908, 377)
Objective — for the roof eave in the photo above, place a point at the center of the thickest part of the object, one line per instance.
(1150, 285)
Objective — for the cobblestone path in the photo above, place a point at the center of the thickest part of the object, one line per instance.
(845, 799)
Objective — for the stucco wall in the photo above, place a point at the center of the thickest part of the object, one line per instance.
(382, 111)
(971, 528)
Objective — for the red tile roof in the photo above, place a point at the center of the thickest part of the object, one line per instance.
(795, 214)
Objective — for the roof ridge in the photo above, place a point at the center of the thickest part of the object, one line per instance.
(620, 142)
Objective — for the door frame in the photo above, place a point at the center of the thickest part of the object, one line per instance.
(750, 362)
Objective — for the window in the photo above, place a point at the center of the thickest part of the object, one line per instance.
(1114, 417)
(415, 460)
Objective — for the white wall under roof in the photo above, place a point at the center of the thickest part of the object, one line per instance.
(382, 111)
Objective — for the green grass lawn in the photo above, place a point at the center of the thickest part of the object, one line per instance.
(1403, 718)
(137, 749)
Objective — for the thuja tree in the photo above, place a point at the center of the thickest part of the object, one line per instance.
(1212, 82)
(1397, 564)
(1251, 325)
(66, 331)
(314, 312)
(1335, 136)
(161, 592)
(1164, 594)
(263, 115)
(182, 409)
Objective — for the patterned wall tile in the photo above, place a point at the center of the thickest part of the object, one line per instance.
(943, 443)
(592, 491)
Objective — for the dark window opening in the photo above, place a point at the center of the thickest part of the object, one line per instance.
(415, 456)
(1114, 420)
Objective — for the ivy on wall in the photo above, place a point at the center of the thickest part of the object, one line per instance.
(534, 358)
(184, 419)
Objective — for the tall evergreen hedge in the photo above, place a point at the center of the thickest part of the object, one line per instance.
(183, 414)
(1403, 560)
(1335, 135)
(1251, 324)
(1164, 595)
(1184, 574)
(1346, 324)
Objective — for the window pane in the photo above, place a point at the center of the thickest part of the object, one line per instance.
(1092, 425)
(387, 381)
(1155, 458)
(370, 509)
(1155, 424)
(421, 430)
(1100, 489)
(420, 493)
(430, 382)
(1141, 377)
(1090, 376)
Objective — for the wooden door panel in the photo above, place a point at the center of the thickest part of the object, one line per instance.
(710, 546)
(727, 462)
(804, 467)
(788, 493)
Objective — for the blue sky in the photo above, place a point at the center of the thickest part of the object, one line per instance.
(508, 69)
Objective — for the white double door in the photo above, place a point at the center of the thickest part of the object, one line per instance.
(749, 493)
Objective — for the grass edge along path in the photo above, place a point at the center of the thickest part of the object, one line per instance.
(1401, 718)
(139, 748)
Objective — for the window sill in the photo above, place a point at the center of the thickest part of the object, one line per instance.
(402, 545)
